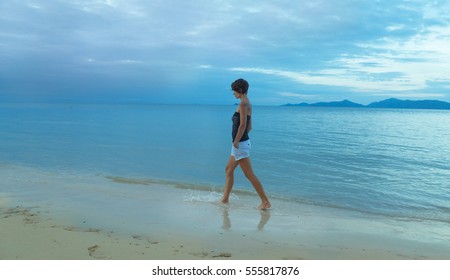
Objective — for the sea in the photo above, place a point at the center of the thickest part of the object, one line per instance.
(380, 162)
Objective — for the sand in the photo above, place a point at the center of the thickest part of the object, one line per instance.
(25, 235)
(28, 234)
(53, 216)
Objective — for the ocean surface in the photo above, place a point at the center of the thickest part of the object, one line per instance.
(382, 162)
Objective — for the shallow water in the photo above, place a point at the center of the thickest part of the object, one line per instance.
(393, 163)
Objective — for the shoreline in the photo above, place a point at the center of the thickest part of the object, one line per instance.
(29, 234)
(50, 216)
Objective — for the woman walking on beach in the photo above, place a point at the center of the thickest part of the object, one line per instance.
(240, 150)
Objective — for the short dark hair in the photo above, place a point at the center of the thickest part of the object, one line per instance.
(240, 85)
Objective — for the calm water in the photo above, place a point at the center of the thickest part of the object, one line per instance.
(384, 162)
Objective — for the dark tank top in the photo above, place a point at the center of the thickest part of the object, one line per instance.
(236, 122)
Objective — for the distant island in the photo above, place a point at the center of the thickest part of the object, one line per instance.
(391, 103)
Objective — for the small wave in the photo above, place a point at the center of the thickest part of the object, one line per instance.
(176, 184)
(210, 196)
(134, 181)
(195, 196)
(212, 193)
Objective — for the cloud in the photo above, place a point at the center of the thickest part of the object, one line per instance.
(418, 60)
(205, 66)
(338, 77)
(340, 48)
(113, 62)
(298, 95)
(392, 64)
(411, 95)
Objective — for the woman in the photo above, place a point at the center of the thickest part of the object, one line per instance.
(240, 150)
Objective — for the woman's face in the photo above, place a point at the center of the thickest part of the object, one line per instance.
(237, 94)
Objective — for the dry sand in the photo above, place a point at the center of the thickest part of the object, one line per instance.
(31, 234)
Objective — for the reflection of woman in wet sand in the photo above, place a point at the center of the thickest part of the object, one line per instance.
(265, 216)
(240, 150)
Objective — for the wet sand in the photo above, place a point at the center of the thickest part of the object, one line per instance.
(53, 216)
(32, 233)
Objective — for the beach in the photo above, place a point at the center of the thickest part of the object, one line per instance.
(186, 222)
(111, 181)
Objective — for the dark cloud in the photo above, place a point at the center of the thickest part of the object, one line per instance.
(180, 51)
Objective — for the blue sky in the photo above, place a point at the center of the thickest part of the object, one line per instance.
(190, 51)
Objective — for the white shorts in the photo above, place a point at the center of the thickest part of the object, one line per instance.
(243, 151)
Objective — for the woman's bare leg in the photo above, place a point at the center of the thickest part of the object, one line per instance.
(229, 179)
(246, 166)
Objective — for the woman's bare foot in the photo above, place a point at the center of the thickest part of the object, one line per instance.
(264, 205)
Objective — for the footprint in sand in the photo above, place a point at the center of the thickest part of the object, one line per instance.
(200, 255)
(138, 237)
(94, 252)
(78, 229)
(223, 255)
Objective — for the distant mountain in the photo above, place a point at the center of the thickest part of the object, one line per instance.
(391, 103)
(410, 104)
(344, 103)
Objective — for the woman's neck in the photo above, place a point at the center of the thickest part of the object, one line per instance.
(244, 98)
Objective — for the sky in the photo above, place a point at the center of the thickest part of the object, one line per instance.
(189, 52)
